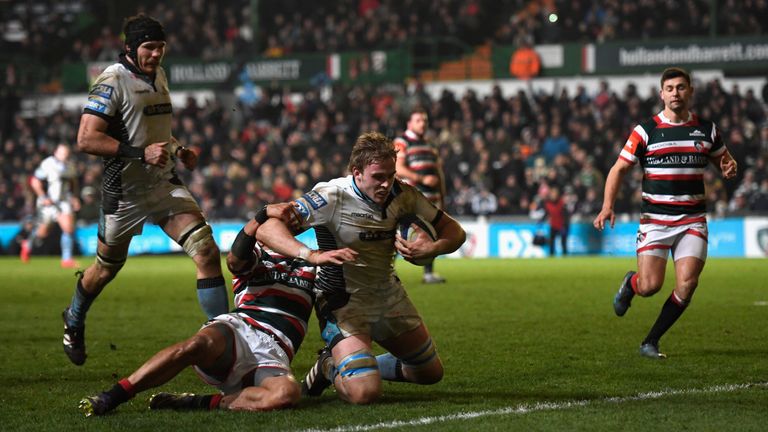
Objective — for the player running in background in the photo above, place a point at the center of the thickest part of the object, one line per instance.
(364, 302)
(673, 148)
(418, 165)
(247, 353)
(127, 121)
(55, 184)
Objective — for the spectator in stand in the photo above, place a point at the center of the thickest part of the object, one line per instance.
(558, 217)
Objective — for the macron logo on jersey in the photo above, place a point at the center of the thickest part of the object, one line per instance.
(102, 90)
(315, 199)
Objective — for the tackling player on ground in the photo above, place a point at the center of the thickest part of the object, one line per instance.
(673, 148)
(364, 302)
(246, 354)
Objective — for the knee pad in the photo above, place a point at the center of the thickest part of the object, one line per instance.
(359, 363)
(421, 356)
(196, 237)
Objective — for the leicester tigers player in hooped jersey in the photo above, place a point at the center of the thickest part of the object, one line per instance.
(246, 353)
(674, 149)
(363, 301)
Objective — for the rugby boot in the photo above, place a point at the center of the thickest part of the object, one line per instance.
(316, 381)
(651, 351)
(623, 298)
(432, 278)
(96, 405)
(74, 341)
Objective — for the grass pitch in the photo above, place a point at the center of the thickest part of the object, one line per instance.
(527, 345)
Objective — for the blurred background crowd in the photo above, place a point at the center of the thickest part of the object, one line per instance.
(501, 152)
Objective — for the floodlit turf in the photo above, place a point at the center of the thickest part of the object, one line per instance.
(527, 345)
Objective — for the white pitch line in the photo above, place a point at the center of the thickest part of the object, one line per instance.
(540, 406)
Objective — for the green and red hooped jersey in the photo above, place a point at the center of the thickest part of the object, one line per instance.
(673, 157)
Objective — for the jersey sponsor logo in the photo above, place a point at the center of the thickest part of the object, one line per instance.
(363, 215)
(102, 90)
(315, 199)
(95, 105)
(677, 160)
(159, 109)
(696, 133)
(301, 209)
(141, 91)
(376, 235)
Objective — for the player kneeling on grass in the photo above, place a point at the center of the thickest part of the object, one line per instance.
(246, 354)
(364, 302)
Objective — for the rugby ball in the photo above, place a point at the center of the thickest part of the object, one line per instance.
(410, 227)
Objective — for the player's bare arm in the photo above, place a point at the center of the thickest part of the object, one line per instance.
(92, 138)
(37, 187)
(612, 185)
(450, 236)
(275, 234)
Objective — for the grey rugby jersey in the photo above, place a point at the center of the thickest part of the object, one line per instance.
(138, 110)
(59, 176)
(343, 216)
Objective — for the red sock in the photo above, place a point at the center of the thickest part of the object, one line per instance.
(633, 282)
(127, 386)
(215, 401)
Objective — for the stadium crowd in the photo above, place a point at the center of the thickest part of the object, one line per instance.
(84, 30)
(501, 153)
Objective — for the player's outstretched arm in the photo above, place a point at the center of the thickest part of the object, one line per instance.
(275, 234)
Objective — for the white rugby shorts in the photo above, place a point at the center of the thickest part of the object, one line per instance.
(689, 240)
(50, 213)
(254, 350)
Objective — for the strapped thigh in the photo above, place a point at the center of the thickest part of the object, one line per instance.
(195, 237)
(421, 356)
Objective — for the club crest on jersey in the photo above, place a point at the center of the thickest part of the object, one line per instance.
(315, 199)
(102, 90)
(699, 146)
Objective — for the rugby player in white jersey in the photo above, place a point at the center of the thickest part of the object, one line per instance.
(364, 302)
(55, 184)
(673, 148)
(246, 354)
(127, 121)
